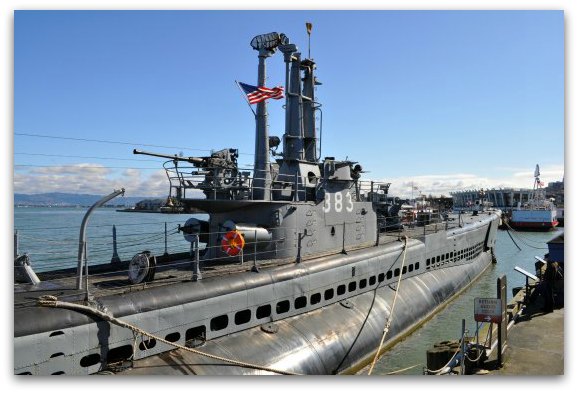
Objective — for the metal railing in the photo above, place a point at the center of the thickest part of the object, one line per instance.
(255, 252)
(241, 183)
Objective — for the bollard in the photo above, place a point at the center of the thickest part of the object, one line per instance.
(437, 357)
(471, 366)
(441, 353)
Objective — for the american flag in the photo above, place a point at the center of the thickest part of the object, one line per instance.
(257, 94)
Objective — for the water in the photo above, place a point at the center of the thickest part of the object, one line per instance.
(50, 237)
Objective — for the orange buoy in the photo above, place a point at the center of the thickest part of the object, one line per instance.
(233, 242)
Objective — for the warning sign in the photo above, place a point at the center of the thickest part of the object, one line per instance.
(487, 310)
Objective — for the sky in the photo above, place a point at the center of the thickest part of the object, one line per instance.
(443, 100)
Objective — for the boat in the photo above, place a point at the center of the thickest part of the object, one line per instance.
(303, 266)
(560, 215)
(539, 213)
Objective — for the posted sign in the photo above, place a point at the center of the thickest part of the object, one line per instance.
(487, 310)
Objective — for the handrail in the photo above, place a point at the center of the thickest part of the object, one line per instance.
(252, 251)
(243, 181)
(58, 259)
(82, 237)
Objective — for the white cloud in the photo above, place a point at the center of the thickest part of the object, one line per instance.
(445, 183)
(90, 179)
(97, 179)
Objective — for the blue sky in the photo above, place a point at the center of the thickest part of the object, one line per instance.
(445, 99)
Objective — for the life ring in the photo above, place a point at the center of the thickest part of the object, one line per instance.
(233, 242)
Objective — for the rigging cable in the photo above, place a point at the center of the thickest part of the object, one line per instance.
(115, 142)
(104, 141)
(90, 157)
(389, 319)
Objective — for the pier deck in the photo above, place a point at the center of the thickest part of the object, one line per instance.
(535, 344)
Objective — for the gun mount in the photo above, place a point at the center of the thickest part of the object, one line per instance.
(217, 175)
(191, 160)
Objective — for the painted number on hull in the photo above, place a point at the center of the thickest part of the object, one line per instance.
(338, 203)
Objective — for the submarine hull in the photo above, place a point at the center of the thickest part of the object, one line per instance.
(340, 338)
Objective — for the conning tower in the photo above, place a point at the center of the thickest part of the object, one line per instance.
(295, 207)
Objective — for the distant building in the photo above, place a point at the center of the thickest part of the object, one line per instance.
(149, 204)
(555, 190)
(503, 198)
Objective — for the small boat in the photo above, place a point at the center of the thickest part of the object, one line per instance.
(539, 213)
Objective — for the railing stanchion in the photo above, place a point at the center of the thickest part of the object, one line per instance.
(16, 244)
(255, 268)
(115, 258)
(166, 240)
(196, 263)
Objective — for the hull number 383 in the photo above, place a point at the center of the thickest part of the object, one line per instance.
(337, 202)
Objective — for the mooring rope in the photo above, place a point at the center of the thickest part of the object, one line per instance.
(459, 348)
(403, 369)
(52, 301)
(519, 234)
(516, 244)
(481, 352)
(438, 371)
(389, 319)
(520, 238)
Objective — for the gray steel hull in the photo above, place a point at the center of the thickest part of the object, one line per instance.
(334, 339)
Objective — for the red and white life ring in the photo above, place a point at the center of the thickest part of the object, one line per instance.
(233, 242)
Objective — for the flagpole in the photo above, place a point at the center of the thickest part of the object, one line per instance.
(245, 97)
(309, 26)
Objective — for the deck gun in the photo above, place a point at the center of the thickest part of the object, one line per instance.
(220, 171)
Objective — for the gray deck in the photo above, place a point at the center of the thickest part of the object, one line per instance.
(110, 279)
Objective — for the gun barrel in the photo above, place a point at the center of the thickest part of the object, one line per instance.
(192, 160)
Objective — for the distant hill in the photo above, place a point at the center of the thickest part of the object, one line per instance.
(65, 199)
